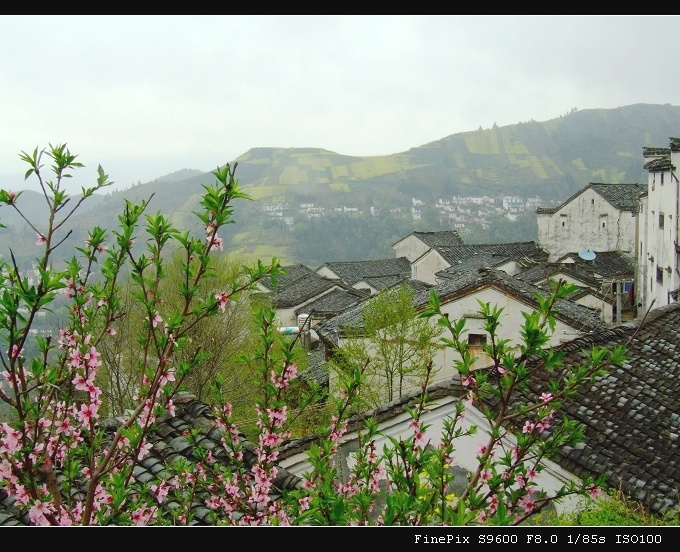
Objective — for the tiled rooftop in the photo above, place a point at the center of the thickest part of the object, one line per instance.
(442, 238)
(632, 415)
(622, 196)
(494, 254)
(352, 272)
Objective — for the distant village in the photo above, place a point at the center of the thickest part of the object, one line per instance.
(461, 212)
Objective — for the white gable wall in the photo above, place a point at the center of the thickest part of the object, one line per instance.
(425, 268)
(327, 273)
(587, 222)
(510, 325)
(661, 237)
(410, 247)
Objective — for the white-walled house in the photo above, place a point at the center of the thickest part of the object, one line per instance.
(459, 298)
(416, 244)
(599, 217)
(658, 279)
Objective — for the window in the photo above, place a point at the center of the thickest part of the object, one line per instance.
(660, 221)
(661, 179)
(659, 275)
(476, 340)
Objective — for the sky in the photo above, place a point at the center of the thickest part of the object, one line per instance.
(145, 96)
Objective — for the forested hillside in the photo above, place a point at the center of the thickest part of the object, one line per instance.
(312, 205)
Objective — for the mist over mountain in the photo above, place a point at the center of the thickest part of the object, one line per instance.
(313, 205)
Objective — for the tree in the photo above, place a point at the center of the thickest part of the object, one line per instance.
(224, 339)
(400, 345)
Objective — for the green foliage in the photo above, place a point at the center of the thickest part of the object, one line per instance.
(612, 509)
(400, 344)
(152, 306)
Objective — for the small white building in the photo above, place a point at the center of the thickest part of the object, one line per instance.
(658, 280)
(600, 217)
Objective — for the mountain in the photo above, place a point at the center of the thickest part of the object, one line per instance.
(551, 159)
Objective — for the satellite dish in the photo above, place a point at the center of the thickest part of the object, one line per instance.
(587, 254)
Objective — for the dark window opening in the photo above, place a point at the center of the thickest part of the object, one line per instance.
(476, 340)
(659, 275)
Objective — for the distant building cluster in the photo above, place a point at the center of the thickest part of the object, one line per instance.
(460, 212)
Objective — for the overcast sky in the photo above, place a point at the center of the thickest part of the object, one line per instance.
(145, 96)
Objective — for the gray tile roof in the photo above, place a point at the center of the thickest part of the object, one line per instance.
(494, 254)
(317, 371)
(302, 289)
(664, 160)
(632, 415)
(291, 273)
(623, 196)
(606, 264)
(332, 303)
(352, 272)
(540, 274)
(661, 164)
(442, 238)
(385, 282)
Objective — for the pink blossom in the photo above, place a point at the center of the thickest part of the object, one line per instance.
(215, 242)
(270, 439)
(16, 352)
(39, 511)
(160, 491)
(528, 427)
(277, 416)
(156, 319)
(222, 300)
(64, 426)
(144, 451)
(41, 239)
(528, 504)
(542, 425)
(468, 380)
(87, 413)
(545, 397)
(11, 439)
(304, 503)
(594, 492)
